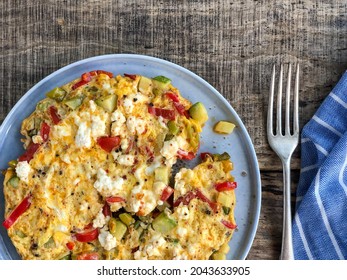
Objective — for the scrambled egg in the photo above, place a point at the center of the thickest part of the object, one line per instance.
(93, 182)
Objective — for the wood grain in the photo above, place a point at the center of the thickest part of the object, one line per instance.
(231, 44)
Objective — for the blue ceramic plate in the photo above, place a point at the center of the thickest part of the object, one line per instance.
(238, 144)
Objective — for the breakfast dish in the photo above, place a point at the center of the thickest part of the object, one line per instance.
(95, 180)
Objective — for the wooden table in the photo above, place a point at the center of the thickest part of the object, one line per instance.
(231, 44)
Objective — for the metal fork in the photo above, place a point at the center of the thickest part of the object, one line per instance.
(284, 146)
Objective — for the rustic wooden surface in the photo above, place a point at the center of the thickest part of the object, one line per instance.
(231, 44)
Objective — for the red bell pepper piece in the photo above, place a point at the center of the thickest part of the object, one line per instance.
(167, 192)
(225, 186)
(228, 224)
(17, 212)
(172, 96)
(181, 109)
(53, 111)
(106, 210)
(29, 153)
(44, 132)
(185, 199)
(176, 102)
(88, 256)
(88, 235)
(195, 194)
(70, 245)
(201, 196)
(159, 112)
(87, 77)
(109, 143)
(79, 84)
(185, 155)
(104, 72)
(114, 199)
(131, 76)
(204, 156)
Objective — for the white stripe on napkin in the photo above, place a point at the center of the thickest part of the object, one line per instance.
(342, 183)
(303, 237)
(308, 168)
(323, 123)
(338, 100)
(321, 149)
(325, 218)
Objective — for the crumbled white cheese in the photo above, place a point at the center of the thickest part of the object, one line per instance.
(128, 105)
(118, 123)
(124, 144)
(139, 175)
(138, 97)
(126, 160)
(157, 162)
(37, 139)
(139, 256)
(107, 240)
(92, 105)
(192, 249)
(60, 131)
(149, 201)
(23, 170)
(162, 122)
(100, 220)
(156, 241)
(65, 158)
(105, 185)
(169, 151)
(82, 138)
(142, 200)
(134, 204)
(106, 85)
(181, 231)
(117, 116)
(136, 125)
(84, 206)
(98, 127)
(180, 185)
(182, 212)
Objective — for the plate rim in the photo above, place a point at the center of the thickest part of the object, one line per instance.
(250, 147)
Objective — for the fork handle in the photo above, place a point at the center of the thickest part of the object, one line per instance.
(287, 252)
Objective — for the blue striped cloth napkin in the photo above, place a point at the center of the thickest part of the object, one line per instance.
(320, 221)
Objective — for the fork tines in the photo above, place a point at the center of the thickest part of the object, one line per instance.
(288, 130)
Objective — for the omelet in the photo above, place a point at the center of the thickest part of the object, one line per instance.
(94, 180)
